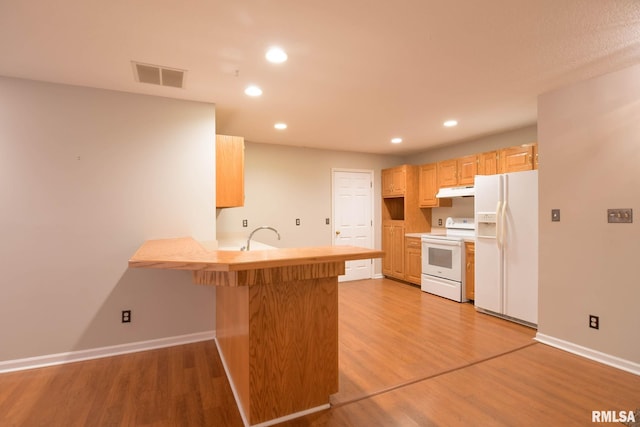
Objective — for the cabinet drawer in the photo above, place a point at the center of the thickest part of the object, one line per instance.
(413, 243)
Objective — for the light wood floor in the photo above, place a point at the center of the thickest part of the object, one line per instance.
(406, 359)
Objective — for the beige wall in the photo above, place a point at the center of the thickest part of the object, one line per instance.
(589, 141)
(86, 176)
(284, 183)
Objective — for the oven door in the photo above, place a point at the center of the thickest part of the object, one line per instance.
(442, 258)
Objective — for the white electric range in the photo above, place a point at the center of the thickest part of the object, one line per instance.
(443, 259)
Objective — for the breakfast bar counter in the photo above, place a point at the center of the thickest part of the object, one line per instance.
(276, 319)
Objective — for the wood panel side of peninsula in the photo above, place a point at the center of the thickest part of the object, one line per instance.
(276, 319)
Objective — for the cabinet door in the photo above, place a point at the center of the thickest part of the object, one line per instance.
(516, 159)
(488, 163)
(229, 171)
(393, 247)
(387, 182)
(387, 245)
(397, 250)
(467, 169)
(428, 188)
(413, 260)
(399, 178)
(448, 173)
(470, 275)
(394, 182)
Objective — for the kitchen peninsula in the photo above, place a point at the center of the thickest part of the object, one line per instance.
(276, 319)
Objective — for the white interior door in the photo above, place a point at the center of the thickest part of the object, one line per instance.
(353, 217)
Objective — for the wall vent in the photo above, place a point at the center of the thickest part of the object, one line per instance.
(158, 75)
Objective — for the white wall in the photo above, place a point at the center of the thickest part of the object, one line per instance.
(86, 176)
(284, 183)
(589, 145)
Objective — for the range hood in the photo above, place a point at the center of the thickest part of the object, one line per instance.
(448, 192)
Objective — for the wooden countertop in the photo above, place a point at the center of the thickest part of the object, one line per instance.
(185, 253)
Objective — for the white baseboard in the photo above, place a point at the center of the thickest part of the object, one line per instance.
(378, 276)
(96, 353)
(607, 359)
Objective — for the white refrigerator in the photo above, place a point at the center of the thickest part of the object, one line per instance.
(506, 216)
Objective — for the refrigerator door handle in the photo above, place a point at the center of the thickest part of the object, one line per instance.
(503, 215)
(499, 224)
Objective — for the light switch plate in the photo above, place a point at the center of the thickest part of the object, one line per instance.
(620, 215)
(555, 215)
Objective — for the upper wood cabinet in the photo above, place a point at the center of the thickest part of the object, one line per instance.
(229, 171)
(394, 181)
(428, 188)
(467, 169)
(511, 159)
(516, 159)
(461, 171)
(448, 173)
(488, 163)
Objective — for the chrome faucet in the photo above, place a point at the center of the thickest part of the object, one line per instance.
(264, 227)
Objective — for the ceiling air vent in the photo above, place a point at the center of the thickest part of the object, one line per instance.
(157, 75)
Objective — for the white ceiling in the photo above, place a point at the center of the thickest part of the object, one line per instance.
(359, 71)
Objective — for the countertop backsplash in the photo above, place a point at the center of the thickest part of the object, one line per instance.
(462, 207)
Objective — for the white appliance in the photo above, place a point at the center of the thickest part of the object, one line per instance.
(506, 258)
(443, 259)
(447, 192)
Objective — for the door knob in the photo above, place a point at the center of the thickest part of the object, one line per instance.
(337, 232)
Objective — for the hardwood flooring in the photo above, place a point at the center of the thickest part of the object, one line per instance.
(407, 358)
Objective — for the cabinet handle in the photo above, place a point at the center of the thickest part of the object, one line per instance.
(468, 266)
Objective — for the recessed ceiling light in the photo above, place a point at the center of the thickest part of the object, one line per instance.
(396, 140)
(280, 126)
(450, 123)
(253, 90)
(276, 55)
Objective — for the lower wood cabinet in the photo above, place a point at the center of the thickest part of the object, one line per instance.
(470, 271)
(393, 247)
(412, 260)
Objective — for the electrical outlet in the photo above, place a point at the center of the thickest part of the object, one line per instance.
(440, 222)
(620, 215)
(594, 322)
(245, 223)
(297, 221)
(126, 316)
